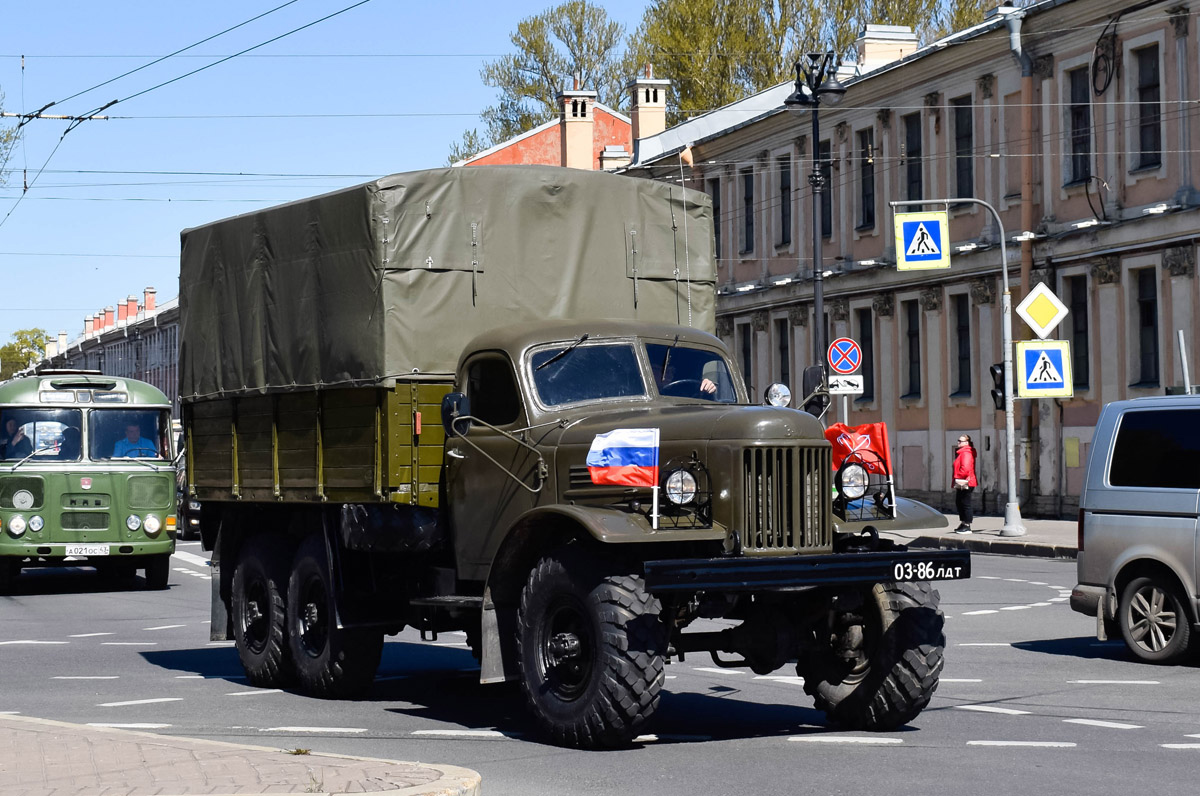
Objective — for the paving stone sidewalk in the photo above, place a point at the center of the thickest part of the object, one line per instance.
(52, 758)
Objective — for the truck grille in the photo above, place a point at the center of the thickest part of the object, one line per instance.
(785, 500)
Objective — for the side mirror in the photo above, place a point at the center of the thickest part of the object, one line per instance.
(455, 407)
(813, 381)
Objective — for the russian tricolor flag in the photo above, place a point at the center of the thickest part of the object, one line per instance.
(625, 457)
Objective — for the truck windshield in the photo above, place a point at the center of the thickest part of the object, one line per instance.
(129, 434)
(587, 373)
(684, 372)
(52, 434)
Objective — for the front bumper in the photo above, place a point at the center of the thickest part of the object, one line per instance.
(784, 573)
(116, 550)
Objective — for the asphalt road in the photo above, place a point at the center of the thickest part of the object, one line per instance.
(1028, 700)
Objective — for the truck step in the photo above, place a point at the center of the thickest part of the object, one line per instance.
(449, 601)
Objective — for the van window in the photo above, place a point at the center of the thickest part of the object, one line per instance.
(1159, 449)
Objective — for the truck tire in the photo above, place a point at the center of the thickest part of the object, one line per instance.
(887, 661)
(330, 662)
(591, 648)
(158, 571)
(1154, 621)
(259, 618)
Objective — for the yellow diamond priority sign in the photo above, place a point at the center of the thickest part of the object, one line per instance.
(1042, 310)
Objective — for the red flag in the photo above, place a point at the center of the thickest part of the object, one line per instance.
(868, 444)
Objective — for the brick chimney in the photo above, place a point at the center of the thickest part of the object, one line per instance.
(649, 106)
(89, 325)
(879, 45)
(131, 307)
(122, 313)
(576, 128)
(51, 349)
(149, 296)
(62, 342)
(110, 317)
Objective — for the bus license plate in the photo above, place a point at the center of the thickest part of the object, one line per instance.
(87, 550)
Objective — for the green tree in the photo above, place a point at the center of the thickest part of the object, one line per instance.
(573, 40)
(26, 347)
(959, 15)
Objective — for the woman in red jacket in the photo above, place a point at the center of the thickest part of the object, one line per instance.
(964, 482)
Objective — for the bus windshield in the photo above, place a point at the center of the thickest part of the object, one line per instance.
(129, 434)
(52, 434)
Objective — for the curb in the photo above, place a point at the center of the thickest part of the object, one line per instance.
(1001, 547)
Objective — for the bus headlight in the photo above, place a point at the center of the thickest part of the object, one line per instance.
(133, 522)
(22, 499)
(152, 524)
(36, 523)
(16, 525)
(681, 487)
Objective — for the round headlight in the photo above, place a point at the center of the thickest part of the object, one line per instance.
(36, 523)
(852, 481)
(152, 524)
(681, 487)
(22, 499)
(16, 525)
(778, 395)
(133, 522)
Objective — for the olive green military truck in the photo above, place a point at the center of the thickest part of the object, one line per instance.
(487, 400)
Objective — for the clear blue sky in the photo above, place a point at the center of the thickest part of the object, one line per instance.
(382, 88)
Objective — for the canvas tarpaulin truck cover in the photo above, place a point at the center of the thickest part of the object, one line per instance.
(390, 279)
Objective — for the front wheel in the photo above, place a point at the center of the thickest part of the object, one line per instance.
(330, 662)
(158, 571)
(591, 648)
(1154, 622)
(879, 664)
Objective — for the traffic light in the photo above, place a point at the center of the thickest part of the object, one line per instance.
(997, 372)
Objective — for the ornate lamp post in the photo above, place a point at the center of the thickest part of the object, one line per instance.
(816, 85)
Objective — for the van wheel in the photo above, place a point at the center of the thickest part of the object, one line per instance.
(591, 648)
(1154, 622)
(883, 661)
(330, 662)
(158, 571)
(259, 620)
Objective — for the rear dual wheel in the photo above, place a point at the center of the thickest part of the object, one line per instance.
(257, 605)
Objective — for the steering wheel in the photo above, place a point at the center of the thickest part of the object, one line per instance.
(138, 452)
(692, 388)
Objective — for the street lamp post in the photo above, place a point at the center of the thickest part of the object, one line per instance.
(816, 83)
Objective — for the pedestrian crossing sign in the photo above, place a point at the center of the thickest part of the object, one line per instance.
(1044, 369)
(922, 241)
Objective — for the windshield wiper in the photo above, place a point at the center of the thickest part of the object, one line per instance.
(30, 456)
(667, 359)
(562, 353)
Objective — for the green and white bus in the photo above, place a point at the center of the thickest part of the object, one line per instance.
(87, 473)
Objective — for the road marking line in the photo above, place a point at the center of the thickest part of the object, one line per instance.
(192, 558)
(256, 692)
(163, 627)
(139, 702)
(346, 730)
(988, 577)
(1048, 744)
(980, 612)
(655, 738)
(1039, 605)
(86, 677)
(89, 635)
(129, 643)
(671, 676)
(714, 670)
(1059, 599)
(220, 644)
(1060, 588)
(1037, 583)
(1192, 736)
(133, 726)
(1180, 745)
(985, 644)
(10, 713)
(847, 739)
(1016, 580)
(468, 734)
(31, 641)
(1112, 725)
(1115, 682)
(790, 679)
(960, 680)
(1015, 607)
(993, 709)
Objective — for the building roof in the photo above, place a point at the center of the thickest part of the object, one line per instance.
(599, 106)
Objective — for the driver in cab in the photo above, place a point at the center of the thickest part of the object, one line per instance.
(133, 445)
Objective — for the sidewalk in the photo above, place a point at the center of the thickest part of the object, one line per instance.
(1043, 538)
(53, 758)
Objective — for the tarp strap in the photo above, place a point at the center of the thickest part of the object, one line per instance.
(474, 261)
(633, 246)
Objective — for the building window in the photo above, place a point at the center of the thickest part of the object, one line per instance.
(866, 342)
(1147, 315)
(825, 163)
(1080, 116)
(747, 211)
(1078, 316)
(912, 324)
(866, 179)
(1149, 114)
(912, 156)
(714, 191)
(962, 345)
(783, 350)
(746, 354)
(784, 165)
(964, 146)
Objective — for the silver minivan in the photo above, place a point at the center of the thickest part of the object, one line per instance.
(1138, 553)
